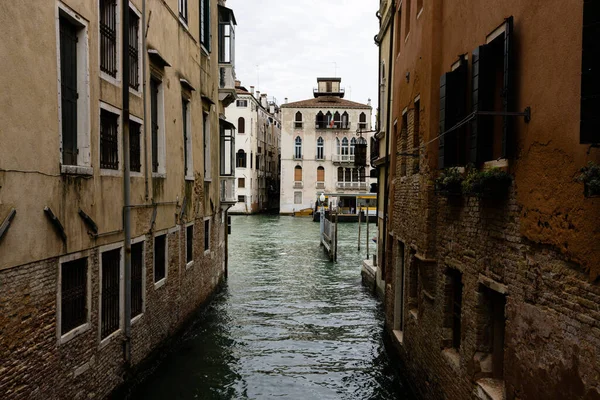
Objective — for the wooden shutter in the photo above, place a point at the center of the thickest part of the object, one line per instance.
(320, 174)
(590, 74)
(154, 121)
(508, 131)
(481, 140)
(298, 174)
(68, 92)
(443, 108)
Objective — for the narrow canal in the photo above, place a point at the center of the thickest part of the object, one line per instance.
(287, 324)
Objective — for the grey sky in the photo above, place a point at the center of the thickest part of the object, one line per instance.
(295, 41)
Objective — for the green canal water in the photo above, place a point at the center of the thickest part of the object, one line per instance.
(287, 324)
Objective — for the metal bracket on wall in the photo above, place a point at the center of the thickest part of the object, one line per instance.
(56, 223)
(7, 221)
(526, 114)
(89, 222)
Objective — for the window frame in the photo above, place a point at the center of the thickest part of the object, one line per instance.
(134, 241)
(206, 117)
(183, 12)
(298, 148)
(186, 119)
(102, 250)
(297, 193)
(205, 26)
(241, 125)
(189, 262)
(161, 170)
(138, 91)
(64, 337)
(161, 282)
(207, 232)
(117, 112)
(298, 123)
(140, 122)
(117, 79)
(320, 148)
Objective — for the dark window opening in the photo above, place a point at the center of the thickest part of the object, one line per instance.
(206, 234)
(73, 306)
(240, 160)
(362, 121)
(189, 243)
(109, 140)
(205, 24)
(320, 121)
(108, 37)
(160, 260)
(453, 308)
(398, 38)
(68, 92)
(134, 29)
(183, 10)
(241, 183)
(186, 145)
(491, 328)
(416, 137)
(453, 109)
(298, 120)
(137, 271)
(403, 144)
(241, 125)
(154, 84)
(241, 199)
(135, 149)
(111, 292)
(590, 74)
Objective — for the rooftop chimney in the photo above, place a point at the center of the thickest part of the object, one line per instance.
(257, 94)
(285, 101)
(252, 90)
(369, 102)
(238, 83)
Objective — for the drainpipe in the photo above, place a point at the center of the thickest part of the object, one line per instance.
(387, 140)
(145, 52)
(126, 182)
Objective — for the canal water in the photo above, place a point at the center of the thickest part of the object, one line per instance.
(287, 324)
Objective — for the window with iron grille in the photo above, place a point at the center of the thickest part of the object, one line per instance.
(109, 142)
(137, 271)
(135, 163)
(73, 307)
(108, 37)
(160, 259)
(187, 148)
(111, 293)
(154, 86)
(68, 92)
(189, 243)
(134, 51)
(183, 10)
(206, 234)
(205, 24)
(453, 308)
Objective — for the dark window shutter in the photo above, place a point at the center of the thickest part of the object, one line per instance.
(481, 144)
(443, 107)
(154, 120)
(590, 74)
(68, 91)
(508, 130)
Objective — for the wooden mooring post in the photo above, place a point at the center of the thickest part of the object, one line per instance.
(359, 215)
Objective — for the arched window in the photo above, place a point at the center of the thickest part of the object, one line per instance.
(352, 146)
(320, 152)
(348, 175)
(345, 124)
(340, 174)
(354, 174)
(329, 119)
(298, 173)
(298, 120)
(361, 175)
(298, 148)
(240, 159)
(362, 121)
(337, 120)
(345, 146)
(320, 174)
(241, 125)
(321, 123)
(337, 146)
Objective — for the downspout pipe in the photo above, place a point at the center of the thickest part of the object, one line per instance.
(144, 69)
(387, 140)
(126, 183)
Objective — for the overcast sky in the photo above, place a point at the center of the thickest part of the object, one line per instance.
(295, 41)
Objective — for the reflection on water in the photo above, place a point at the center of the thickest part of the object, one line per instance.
(288, 324)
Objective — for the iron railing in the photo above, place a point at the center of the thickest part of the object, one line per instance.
(73, 294)
(137, 270)
(109, 142)
(108, 37)
(111, 290)
(135, 150)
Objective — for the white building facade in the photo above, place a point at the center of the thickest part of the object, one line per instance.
(318, 141)
(258, 143)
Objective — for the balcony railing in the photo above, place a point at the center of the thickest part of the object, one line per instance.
(227, 190)
(352, 185)
(335, 125)
(298, 184)
(320, 185)
(342, 158)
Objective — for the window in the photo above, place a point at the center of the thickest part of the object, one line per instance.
(108, 37)
(160, 258)
(241, 125)
(206, 136)
(298, 173)
(157, 123)
(590, 68)
(338, 146)
(226, 36)
(329, 120)
(134, 50)
(73, 295)
(337, 120)
(298, 120)
(320, 121)
(183, 10)
(493, 137)
(352, 146)
(453, 309)
(399, 286)
(241, 199)
(362, 121)
(340, 176)
(345, 146)
(491, 327)
(68, 93)
(240, 160)
(320, 152)
(137, 278)
(189, 243)
(416, 137)
(241, 103)
(403, 143)
(241, 183)
(453, 109)
(320, 174)
(206, 234)
(187, 138)
(205, 24)
(111, 292)
(407, 14)
(398, 38)
(251, 158)
(297, 197)
(135, 150)
(298, 148)
(109, 140)
(345, 123)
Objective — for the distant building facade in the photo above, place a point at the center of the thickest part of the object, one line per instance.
(257, 155)
(62, 287)
(318, 142)
(490, 245)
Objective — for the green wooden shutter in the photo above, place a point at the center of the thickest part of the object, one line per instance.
(508, 130)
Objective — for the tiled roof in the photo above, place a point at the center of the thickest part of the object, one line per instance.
(325, 102)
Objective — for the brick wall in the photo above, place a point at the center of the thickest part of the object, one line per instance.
(34, 363)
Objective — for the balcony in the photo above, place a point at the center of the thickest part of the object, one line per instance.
(335, 125)
(351, 185)
(298, 184)
(341, 92)
(343, 158)
(320, 185)
(227, 92)
(227, 190)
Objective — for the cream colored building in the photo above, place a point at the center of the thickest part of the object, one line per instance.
(61, 183)
(317, 148)
(258, 136)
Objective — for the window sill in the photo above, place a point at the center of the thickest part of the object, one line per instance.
(76, 170)
(452, 356)
(491, 389)
(74, 333)
(399, 335)
(104, 342)
(137, 93)
(406, 38)
(161, 283)
(160, 175)
(136, 174)
(500, 163)
(208, 180)
(206, 252)
(205, 51)
(414, 313)
(184, 23)
(111, 172)
(189, 264)
(136, 318)
(189, 178)
(110, 79)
